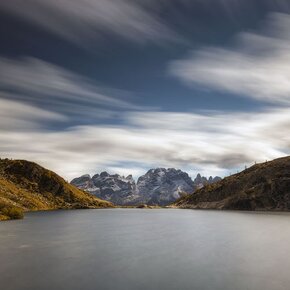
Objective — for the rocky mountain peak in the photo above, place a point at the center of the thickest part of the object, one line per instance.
(159, 186)
(104, 174)
(162, 186)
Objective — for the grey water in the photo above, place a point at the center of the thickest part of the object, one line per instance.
(140, 249)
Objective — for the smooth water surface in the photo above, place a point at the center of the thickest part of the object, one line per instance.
(145, 249)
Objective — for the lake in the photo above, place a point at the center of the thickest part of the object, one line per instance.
(140, 249)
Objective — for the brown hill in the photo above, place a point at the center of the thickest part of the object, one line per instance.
(264, 186)
(26, 186)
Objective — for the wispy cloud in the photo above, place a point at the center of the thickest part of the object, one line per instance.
(19, 116)
(78, 20)
(140, 21)
(214, 143)
(50, 87)
(257, 66)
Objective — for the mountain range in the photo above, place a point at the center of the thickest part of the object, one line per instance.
(158, 186)
(26, 186)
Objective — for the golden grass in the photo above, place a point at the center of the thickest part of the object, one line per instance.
(26, 186)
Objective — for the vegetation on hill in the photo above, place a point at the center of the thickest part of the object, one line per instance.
(26, 186)
(264, 186)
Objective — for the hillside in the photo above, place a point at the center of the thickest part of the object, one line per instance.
(264, 186)
(26, 186)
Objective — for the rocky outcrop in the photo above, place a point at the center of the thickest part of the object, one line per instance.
(201, 181)
(264, 186)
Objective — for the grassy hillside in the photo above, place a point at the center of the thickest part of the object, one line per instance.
(264, 186)
(26, 186)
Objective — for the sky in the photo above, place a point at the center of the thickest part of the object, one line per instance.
(129, 85)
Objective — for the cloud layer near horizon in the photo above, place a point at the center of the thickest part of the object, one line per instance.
(211, 142)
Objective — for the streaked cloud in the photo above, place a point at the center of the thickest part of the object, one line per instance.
(212, 142)
(49, 87)
(140, 21)
(79, 20)
(256, 66)
(18, 116)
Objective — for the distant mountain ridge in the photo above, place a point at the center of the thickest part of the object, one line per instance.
(201, 181)
(26, 186)
(264, 186)
(158, 186)
(114, 188)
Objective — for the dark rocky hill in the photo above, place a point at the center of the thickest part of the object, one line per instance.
(26, 186)
(264, 186)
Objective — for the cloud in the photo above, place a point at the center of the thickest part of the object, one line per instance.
(212, 142)
(34, 93)
(257, 66)
(141, 21)
(18, 116)
(78, 20)
(52, 88)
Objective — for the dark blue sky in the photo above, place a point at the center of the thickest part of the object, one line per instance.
(111, 65)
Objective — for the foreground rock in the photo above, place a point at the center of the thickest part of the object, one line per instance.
(264, 186)
(26, 186)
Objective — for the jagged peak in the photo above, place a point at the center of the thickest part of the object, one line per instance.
(104, 174)
(86, 176)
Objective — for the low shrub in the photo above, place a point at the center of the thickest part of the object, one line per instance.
(13, 212)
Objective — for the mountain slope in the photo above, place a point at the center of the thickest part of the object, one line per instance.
(27, 186)
(264, 186)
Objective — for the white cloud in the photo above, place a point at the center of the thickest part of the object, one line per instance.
(212, 143)
(77, 20)
(48, 86)
(18, 116)
(257, 66)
